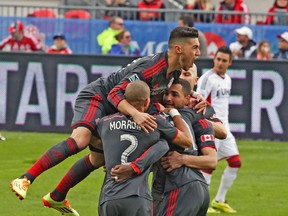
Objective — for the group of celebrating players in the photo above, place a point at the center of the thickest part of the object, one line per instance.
(147, 117)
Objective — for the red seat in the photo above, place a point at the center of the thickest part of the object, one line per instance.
(77, 14)
(45, 13)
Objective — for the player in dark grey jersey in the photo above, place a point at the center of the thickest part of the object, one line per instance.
(182, 190)
(123, 142)
(105, 96)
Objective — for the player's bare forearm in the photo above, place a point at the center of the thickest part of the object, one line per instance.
(184, 138)
(207, 161)
(219, 129)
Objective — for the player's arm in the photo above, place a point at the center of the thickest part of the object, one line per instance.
(174, 160)
(205, 140)
(219, 130)
(149, 157)
(180, 134)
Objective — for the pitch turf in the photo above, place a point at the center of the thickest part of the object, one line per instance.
(260, 189)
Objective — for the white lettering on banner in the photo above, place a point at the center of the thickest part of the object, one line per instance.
(34, 72)
(104, 70)
(148, 49)
(5, 67)
(63, 97)
(237, 99)
(269, 104)
(161, 46)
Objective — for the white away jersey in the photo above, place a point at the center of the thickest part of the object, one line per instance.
(216, 90)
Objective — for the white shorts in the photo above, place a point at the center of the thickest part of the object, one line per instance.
(227, 147)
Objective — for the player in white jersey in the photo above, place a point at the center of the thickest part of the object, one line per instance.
(215, 86)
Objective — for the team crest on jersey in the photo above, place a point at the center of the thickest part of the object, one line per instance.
(134, 78)
(170, 83)
(207, 137)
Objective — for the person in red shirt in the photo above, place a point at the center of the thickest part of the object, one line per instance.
(280, 9)
(18, 41)
(60, 45)
(151, 5)
(233, 5)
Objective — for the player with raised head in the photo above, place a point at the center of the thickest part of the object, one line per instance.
(104, 96)
(215, 86)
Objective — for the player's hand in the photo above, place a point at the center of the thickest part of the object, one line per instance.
(172, 161)
(145, 121)
(199, 103)
(121, 172)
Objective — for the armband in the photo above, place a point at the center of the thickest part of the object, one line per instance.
(174, 112)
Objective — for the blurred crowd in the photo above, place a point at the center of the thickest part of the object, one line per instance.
(117, 40)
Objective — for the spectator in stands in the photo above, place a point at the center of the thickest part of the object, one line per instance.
(233, 6)
(18, 41)
(126, 15)
(151, 4)
(280, 9)
(60, 45)
(244, 47)
(264, 51)
(107, 37)
(204, 5)
(282, 47)
(124, 46)
(187, 20)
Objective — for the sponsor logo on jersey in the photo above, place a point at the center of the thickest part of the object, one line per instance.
(207, 137)
(134, 78)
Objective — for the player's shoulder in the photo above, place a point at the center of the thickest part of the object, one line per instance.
(207, 75)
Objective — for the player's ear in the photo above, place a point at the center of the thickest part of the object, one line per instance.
(177, 48)
(187, 100)
(146, 103)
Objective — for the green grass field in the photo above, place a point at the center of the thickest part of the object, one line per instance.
(260, 189)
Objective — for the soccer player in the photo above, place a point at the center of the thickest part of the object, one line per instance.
(191, 76)
(124, 142)
(183, 184)
(215, 86)
(104, 96)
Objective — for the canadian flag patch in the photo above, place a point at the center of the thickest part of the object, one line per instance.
(207, 137)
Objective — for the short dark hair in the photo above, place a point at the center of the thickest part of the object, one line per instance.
(186, 87)
(226, 50)
(187, 19)
(181, 32)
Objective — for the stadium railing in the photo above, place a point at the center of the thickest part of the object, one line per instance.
(99, 12)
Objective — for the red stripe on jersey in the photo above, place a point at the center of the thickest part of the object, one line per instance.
(135, 167)
(149, 72)
(204, 123)
(214, 147)
(114, 96)
(172, 202)
(139, 158)
(156, 70)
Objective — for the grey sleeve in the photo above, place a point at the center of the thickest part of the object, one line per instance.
(150, 156)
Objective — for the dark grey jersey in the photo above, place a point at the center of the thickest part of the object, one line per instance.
(123, 142)
(204, 137)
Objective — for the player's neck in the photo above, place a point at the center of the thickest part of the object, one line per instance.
(173, 63)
